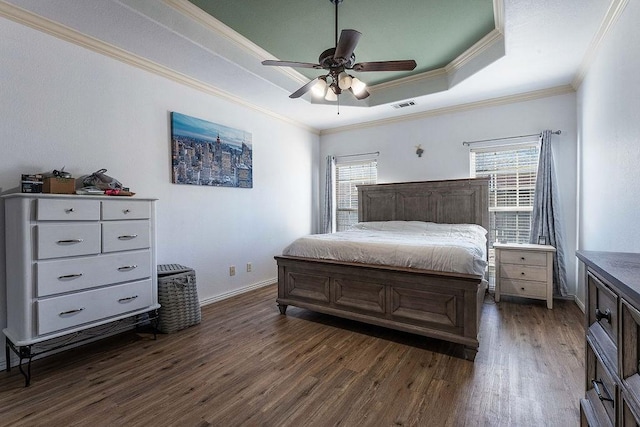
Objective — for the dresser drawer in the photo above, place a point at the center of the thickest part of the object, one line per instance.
(125, 209)
(524, 257)
(524, 288)
(601, 388)
(64, 240)
(74, 274)
(71, 310)
(630, 356)
(629, 417)
(67, 210)
(125, 235)
(603, 306)
(522, 272)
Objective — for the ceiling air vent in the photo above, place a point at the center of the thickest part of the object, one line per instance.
(403, 104)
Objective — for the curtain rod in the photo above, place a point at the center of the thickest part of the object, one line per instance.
(558, 132)
(377, 153)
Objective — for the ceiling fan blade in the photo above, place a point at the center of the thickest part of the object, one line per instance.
(362, 95)
(291, 64)
(347, 44)
(304, 89)
(404, 65)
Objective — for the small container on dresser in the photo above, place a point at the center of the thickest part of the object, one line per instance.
(75, 262)
(612, 350)
(524, 270)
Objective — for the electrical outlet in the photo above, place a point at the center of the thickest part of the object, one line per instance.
(232, 270)
(249, 267)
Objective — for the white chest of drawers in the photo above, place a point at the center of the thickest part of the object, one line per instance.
(524, 270)
(75, 262)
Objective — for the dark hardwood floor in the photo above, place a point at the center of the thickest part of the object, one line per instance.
(246, 364)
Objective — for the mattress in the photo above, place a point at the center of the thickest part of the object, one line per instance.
(454, 248)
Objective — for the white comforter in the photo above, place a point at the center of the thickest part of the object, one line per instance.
(456, 248)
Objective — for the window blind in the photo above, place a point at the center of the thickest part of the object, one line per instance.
(512, 183)
(348, 176)
(512, 174)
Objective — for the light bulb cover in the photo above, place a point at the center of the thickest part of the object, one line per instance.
(320, 88)
(344, 80)
(357, 86)
(331, 95)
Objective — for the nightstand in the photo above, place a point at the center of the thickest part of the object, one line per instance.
(524, 270)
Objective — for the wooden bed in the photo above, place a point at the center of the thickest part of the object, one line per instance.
(435, 304)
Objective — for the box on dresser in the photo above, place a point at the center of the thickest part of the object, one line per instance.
(57, 185)
(74, 263)
(612, 354)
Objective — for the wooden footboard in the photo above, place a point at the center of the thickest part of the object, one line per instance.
(440, 305)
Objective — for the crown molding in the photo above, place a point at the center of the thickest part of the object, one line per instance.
(493, 102)
(477, 49)
(65, 33)
(498, 15)
(484, 44)
(240, 42)
(613, 13)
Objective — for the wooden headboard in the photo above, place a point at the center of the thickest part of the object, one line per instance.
(456, 201)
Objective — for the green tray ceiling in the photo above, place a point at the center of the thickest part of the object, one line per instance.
(433, 32)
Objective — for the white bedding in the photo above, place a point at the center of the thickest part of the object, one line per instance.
(455, 248)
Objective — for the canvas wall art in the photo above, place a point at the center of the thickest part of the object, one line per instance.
(206, 153)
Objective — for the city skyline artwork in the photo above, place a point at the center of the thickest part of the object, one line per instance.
(211, 154)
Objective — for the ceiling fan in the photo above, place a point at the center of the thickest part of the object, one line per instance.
(337, 60)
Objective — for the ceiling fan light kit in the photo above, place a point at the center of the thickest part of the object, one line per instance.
(336, 61)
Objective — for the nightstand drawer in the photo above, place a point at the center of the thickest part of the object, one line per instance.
(524, 288)
(524, 258)
(522, 272)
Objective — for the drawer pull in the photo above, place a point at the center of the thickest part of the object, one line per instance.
(66, 313)
(126, 211)
(128, 298)
(596, 387)
(70, 276)
(70, 210)
(70, 241)
(522, 273)
(522, 258)
(127, 237)
(603, 315)
(127, 268)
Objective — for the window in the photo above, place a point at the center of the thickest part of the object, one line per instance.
(512, 181)
(348, 176)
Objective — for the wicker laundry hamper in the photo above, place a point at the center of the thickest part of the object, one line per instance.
(178, 297)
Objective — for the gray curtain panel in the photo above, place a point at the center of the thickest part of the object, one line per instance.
(327, 217)
(546, 219)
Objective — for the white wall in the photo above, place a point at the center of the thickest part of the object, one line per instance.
(63, 105)
(445, 157)
(608, 105)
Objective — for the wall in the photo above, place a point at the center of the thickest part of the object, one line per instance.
(445, 157)
(63, 105)
(608, 106)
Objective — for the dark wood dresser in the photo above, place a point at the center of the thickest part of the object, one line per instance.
(612, 350)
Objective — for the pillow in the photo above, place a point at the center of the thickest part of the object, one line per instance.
(421, 227)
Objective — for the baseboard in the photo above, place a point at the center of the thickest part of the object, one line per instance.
(233, 293)
(579, 303)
